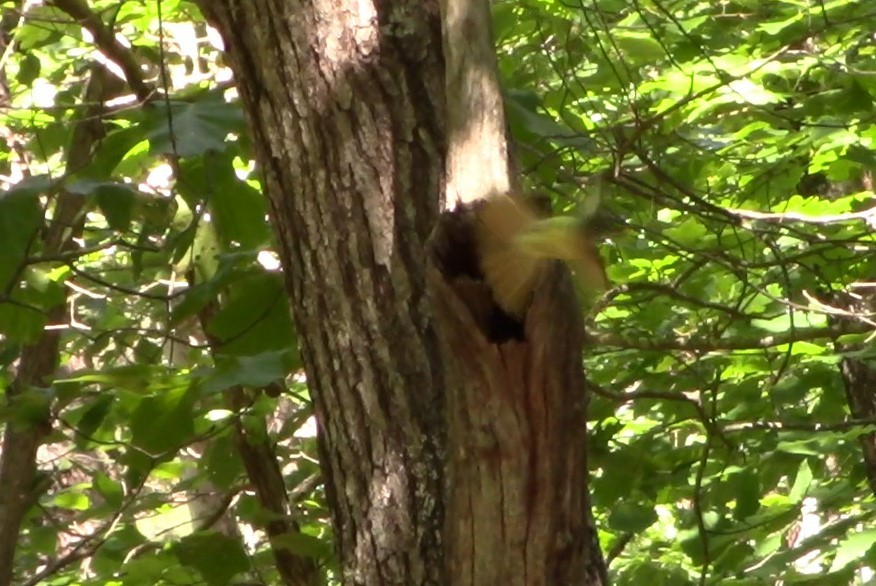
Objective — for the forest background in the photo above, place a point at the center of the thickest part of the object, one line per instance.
(731, 364)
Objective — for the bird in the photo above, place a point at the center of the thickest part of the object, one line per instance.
(514, 243)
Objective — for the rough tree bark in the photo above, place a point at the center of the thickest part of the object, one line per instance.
(516, 458)
(860, 382)
(858, 374)
(517, 508)
(346, 102)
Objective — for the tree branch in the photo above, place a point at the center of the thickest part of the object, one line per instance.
(106, 41)
(645, 341)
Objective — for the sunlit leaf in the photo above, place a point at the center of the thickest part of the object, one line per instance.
(193, 128)
(251, 371)
(801, 482)
(631, 517)
(852, 548)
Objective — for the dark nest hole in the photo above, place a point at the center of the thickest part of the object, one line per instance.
(453, 250)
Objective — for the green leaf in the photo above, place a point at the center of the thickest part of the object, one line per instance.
(134, 377)
(238, 211)
(250, 371)
(801, 482)
(111, 151)
(303, 545)
(24, 316)
(28, 69)
(115, 200)
(197, 297)
(94, 416)
(803, 447)
(852, 549)
(504, 19)
(117, 204)
(255, 318)
(775, 27)
(747, 494)
(785, 322)
(23, 324)
(631, 517)
(109, 489)
(73, 500)
(216, 557)
(526, 117)
(30, 407)
(222, 461)
(196, 128)
(652, 573)
(20, 218)
(639, 47)
(44, 539)
(241, 217)
(689, 232)
(163, 422)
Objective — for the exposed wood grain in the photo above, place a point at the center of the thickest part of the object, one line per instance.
(517, 508)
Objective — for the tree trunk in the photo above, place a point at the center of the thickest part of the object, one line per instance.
(858, 374)
(860, 383)
(346, 105)
(345, 102)
(517, 510)
(859, 378)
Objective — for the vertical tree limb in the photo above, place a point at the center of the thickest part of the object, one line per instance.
(39, 361)
(477, 152)
(859, 379)
(263, 470)
(516, 483)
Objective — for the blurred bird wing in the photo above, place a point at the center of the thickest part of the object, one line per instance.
(514, 245)
(512, 275)
(503, 217)
(589, 271)
(510, 271)
(567, 239)
(554, 238)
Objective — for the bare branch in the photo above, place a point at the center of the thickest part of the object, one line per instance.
(647, 341)
(779, 218)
